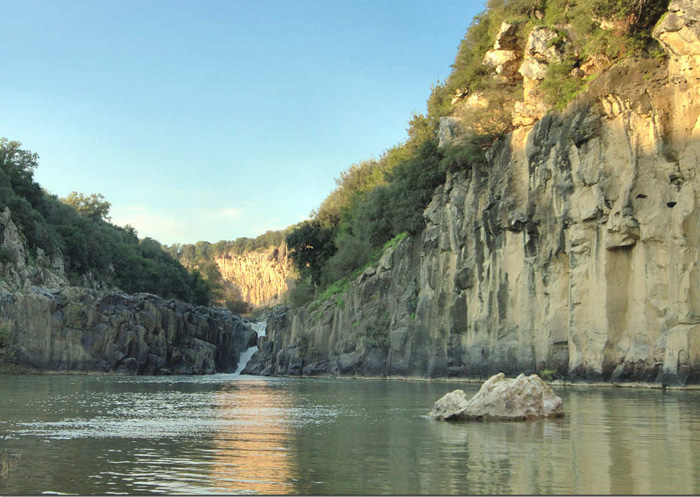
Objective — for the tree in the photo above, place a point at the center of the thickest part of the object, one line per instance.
(311, 245)
(93, 206)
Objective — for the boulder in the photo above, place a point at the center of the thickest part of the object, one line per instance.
(500, 398)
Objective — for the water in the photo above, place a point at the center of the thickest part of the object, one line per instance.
(236, 434)
(260, 327)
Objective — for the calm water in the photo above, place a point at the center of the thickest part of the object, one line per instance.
(231, 434)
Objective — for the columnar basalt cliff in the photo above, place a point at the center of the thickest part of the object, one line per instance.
(260, 277)
(574, 249)
(78, 329)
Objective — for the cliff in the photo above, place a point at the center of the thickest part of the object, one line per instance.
(260, 278)
(46, 324)
(17, 270)
(574, 248)
(78, 329)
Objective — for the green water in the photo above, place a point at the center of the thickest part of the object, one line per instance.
(232, 434)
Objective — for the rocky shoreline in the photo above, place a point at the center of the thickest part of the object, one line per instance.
(83, 330)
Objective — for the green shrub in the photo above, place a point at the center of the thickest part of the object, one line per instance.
(547, 374)
(301, 293)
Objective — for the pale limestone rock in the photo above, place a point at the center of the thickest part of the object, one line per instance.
(521, 399)
(533, 69)
(504, 62)
(539, 45)
(449, 130)
(449, 404)
(539, 53)
(678, 31)
(595, 64)
(507, 37)
(505, 55)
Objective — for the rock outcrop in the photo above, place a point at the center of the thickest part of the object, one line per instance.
(260, 278)
(78, 329)
(20, 272)
(524, 398)
(575, 249)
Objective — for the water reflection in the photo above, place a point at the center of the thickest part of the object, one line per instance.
(230, 434)
(251, 453)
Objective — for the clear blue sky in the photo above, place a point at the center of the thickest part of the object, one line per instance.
(216, 119)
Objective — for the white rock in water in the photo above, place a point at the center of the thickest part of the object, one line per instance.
(501, 398)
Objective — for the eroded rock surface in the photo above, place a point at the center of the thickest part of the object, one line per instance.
(520, 399)
(78, 329)
(574, 249)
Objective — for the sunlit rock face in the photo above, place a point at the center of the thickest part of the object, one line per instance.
(574, 249)
(524, 398)
(260, 278)
(88, 330)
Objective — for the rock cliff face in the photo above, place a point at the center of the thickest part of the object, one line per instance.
(46, 324)
(575, 249)
(78, 329)
(17, 270)
(260, 278)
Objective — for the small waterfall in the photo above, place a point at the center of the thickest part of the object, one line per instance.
(260, 328)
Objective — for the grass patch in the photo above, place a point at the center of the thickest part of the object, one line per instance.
(547, 374)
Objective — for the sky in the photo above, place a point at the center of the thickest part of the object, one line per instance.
(216, 119)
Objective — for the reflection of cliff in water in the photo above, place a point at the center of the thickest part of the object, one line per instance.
(606, 444)
(251, 447)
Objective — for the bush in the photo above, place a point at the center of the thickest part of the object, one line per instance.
(301, 293)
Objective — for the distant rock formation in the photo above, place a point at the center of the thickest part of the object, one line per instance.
(78, 329)
(260, 278)
(524, 398)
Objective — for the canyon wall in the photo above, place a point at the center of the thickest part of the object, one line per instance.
(46, 324)
(574, 249)
(260, 277)
(79, 329)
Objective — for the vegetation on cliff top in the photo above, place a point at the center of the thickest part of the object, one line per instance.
(379, 198)
(77, 228)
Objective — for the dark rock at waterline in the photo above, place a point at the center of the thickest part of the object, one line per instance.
(78, 329)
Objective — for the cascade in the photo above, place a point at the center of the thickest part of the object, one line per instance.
(260, 328)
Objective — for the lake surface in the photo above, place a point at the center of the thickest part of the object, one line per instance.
(233, 434)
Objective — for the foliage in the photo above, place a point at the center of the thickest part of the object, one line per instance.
(311, 245)
(301, 293)
(93, 206)
(340, 286)
(547, 374)
(89, 244)
(558, 86)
